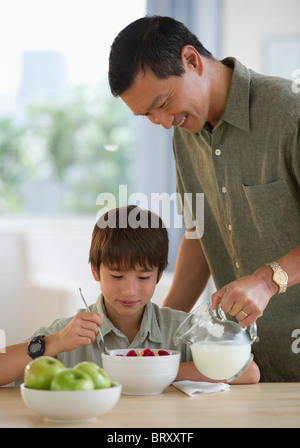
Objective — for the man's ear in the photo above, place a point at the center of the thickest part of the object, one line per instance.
(191, 59)
(95, 273)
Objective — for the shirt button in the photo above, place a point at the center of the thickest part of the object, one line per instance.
(224, 190)
(229, 227)
(237, 265)
(218, 152)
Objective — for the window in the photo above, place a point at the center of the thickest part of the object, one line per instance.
(63, 137)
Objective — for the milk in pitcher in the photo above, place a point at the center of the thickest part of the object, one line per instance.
(220, 360)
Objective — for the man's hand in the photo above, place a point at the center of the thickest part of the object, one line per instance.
(247, 297)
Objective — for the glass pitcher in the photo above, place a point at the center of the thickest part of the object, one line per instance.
(221, 349)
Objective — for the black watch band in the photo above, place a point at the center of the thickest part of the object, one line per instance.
(36, 347)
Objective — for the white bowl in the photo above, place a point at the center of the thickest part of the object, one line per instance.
(71, 406)
(141, 375)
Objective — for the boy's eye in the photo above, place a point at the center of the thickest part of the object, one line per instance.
(144, 278)
(116, 276)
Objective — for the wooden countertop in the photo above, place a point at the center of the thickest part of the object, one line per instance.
(261, 405)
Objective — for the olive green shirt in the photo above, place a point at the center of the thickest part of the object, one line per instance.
(156, 331)
(248, 168)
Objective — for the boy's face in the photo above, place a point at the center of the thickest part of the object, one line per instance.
(126, 292)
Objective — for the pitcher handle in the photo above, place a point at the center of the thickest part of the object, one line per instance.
(220, 313)
(252, 330)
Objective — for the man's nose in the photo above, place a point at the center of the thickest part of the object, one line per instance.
(160, 117)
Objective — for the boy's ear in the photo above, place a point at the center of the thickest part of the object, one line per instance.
(95, 273)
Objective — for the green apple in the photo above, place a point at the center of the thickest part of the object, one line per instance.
(72, 379)
(40, 371)
(99, 376)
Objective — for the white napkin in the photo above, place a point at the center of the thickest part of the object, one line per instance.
(193, 388)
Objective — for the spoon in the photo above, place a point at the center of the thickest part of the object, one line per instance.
(106, 351)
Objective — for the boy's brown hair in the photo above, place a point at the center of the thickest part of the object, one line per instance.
(127, 237)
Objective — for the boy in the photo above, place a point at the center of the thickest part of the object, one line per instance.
(128, 254)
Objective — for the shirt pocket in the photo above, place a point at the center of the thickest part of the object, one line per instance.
(275, 214)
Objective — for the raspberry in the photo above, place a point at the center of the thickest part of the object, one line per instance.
(148, 352)
(163, 353)
(131, 353)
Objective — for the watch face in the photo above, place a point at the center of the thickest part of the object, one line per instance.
(280, 277)
(35, 347)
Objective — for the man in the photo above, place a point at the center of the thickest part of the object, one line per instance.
(237, 140)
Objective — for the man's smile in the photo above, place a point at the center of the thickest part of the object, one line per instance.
(182, 121)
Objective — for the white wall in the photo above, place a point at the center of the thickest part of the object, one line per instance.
(42, 265)
(247, 27)
(11, 286)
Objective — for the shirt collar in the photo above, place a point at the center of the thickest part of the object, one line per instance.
(236, 111)
(149, 326)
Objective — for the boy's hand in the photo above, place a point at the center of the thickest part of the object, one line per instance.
(82, 330)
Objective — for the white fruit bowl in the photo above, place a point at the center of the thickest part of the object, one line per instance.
(71, 406)
(141, 375)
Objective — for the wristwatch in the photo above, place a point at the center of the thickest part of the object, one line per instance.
(36, 347)
(280, 277)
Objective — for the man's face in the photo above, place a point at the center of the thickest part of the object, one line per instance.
(175, 101)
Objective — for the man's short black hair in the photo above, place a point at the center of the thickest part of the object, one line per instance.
(154, 42)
